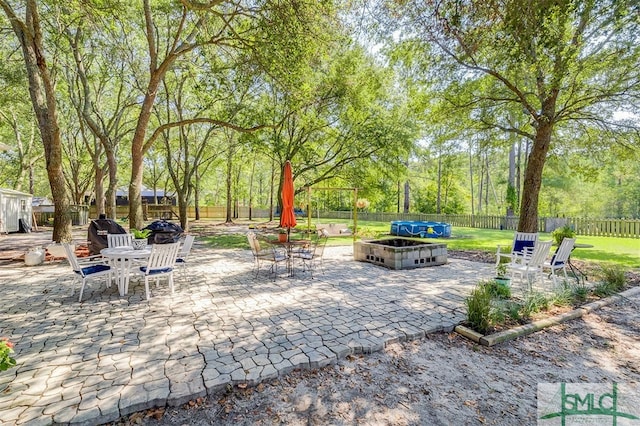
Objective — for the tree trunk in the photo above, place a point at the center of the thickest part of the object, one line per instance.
(511, 181)
(471, 182)
(196, 192)
(43, 99)
(228, 218)
(439, 183)
(533, 178)
(406, 197)
(112, 188)
(273, 178)
(253, 170)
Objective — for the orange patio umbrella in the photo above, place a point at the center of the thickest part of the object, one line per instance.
(287, 215)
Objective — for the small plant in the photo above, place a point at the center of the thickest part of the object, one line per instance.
(501, 270)
(560, 233)
(282, 230)
(479, 308)
(513, 310)
(613, 276)
(140, 234)
(534, 302)
(603, 289)
(561, 297)
(579, 292)
(498, 289)
(6, 360)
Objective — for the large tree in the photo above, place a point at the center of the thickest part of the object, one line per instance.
(29, 32)
(557, 60)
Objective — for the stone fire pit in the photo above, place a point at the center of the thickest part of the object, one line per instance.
(400, 253)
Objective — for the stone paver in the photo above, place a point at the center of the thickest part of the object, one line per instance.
(109, 356)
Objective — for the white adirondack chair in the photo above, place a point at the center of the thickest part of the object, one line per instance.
(521, 241)
(529, 264)
(560, 259)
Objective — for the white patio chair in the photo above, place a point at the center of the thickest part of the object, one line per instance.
(264, 252)
(529, 264)
(560, 259)
(161, 263)
(86, 269)
(183, 254)
(119, 240)
(521, 241)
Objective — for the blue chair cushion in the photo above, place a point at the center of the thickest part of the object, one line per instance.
(93, 269)
(553, 259)
(156, 271)
(519, 245)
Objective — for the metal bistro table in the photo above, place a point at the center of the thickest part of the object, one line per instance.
(577, 273)
(121, 259)
(289, 246)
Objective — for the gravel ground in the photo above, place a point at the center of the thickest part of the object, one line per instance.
(441, 380)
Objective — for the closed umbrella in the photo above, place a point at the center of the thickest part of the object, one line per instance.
(287, 216)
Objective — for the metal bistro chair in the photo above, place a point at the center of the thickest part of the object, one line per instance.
(560, 259)
(86, 269)
(313, 255)
(521, 241)
(266, 253)
(161, 263)
(119, 240)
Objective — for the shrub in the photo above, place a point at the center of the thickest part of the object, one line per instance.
(479, 308)
(560, 233)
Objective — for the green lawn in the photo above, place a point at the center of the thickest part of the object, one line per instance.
(621, 251)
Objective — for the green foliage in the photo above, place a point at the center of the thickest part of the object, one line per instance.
(498, 289)
(561, 296)
(560, 233)
(501, 270)
(6, 360)
(512, 198)
(613, 276)
(533, 303)
(140, 233)
(479, 308)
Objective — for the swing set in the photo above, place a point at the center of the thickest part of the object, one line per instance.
(355, 210)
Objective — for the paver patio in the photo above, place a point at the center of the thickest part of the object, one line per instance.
(109, 356)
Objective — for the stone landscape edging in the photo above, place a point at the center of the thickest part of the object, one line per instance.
(523, 330)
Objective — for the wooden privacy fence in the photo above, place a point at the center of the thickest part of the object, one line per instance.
(623, 228)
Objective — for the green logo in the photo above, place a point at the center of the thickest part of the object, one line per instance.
(586, 402)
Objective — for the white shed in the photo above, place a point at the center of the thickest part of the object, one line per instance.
(14, 206)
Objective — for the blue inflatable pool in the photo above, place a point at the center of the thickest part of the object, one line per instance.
(407, 228)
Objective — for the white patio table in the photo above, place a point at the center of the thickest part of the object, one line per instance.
(121, 260)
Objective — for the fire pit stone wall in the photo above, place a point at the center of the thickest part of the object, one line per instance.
(400, 253)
